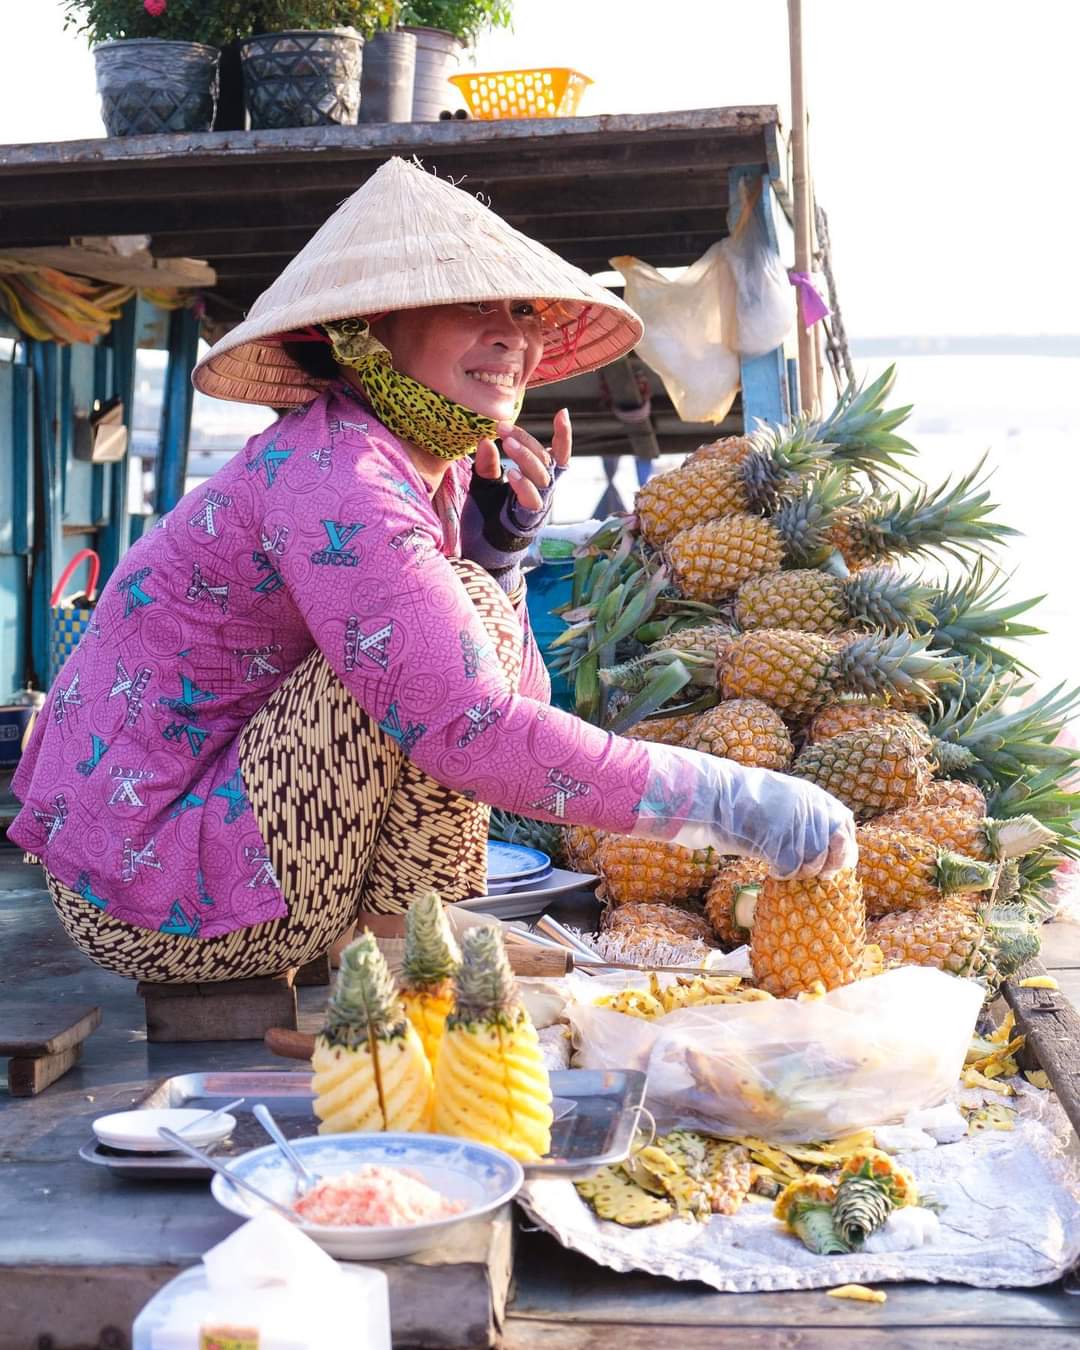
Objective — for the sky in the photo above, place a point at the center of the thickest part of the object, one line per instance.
(940, 129)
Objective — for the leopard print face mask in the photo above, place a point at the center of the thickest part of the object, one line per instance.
(406, 407)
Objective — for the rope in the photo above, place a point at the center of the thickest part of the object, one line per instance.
(834, 327)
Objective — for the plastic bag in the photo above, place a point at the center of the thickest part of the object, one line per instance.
(764, 305)
(690, 331)
(785, 1070)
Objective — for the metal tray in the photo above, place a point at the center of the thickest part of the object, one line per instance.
(595, 1125)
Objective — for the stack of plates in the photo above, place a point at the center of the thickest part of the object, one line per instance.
(513, 866)
(521, 881)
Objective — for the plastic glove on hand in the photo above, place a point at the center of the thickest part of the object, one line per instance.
(701, 801)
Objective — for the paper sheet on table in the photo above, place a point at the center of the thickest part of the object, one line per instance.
(1011, 1217)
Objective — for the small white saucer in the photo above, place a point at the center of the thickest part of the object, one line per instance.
(137, 1131)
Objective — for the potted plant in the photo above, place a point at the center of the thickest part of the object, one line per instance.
(156, 60)
(386, 85)
(302, 63)
(443, 29)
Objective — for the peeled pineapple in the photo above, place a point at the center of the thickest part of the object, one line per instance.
(370, 1070)
(490, 1081)
(431, 957)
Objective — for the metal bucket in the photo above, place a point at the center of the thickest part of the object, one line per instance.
(438, 55)
(149, 86)
(303, 79)
(386, 86)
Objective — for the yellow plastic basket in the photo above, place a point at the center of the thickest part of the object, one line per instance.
(521, 93)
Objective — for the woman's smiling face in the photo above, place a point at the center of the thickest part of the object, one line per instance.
(478, 355)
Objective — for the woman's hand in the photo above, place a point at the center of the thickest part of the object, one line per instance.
(531, 470)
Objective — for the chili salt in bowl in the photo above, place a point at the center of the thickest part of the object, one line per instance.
(481, 1178)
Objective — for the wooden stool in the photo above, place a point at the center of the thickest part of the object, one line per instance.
(44, 1040)
(230, 1010)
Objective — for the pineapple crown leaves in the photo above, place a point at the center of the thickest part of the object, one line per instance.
(968, 613)
(1013, 935)
(1042, 796)
(892, 663)
(1016, 836)
(804, 521)
(484, 984)
(952, 519)
(1006, 745)
(956, 875)
(861, 430)
(885, 598)
(431, 952)
(771, 471)
(861, 1206)
(365, 999)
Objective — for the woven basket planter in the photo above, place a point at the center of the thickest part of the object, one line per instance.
(148, 86)
(303, 79)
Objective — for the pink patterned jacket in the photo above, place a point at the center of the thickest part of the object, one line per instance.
(320, 533)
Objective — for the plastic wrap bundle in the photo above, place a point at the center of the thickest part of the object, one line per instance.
(786, 1069)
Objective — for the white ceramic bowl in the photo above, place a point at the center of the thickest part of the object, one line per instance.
(481, 1177)
(137, 1131)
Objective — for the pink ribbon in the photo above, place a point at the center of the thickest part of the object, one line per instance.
(812, 308)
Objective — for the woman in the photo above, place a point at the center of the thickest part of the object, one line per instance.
(302, 690)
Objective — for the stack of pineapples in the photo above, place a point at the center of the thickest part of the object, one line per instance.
(757, 606)
(454, 1051)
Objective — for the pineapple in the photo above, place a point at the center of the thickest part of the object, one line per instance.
(490, 1082)
(871, 772)
(431, 957)
(854, 714)
(581, 845)
(900, 870)
(799, 673)
(716, 485)
(957, 829)
(807, 931)
(370, 1070)
(665, 730)
(710, 639)
(652, 870)
(815, 602)
(965, 797)
(632, 919)
(945, 936)
(734, 449)
(730, 900)
(711, 559)
(745, 730)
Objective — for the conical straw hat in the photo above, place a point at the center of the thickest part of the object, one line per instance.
(404, 240)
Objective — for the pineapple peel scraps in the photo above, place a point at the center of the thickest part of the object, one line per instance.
(699, 991)
(858, 1292)
(1038, 1079)
(1039, 982)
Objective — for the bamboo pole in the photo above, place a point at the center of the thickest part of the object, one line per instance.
(801, 195)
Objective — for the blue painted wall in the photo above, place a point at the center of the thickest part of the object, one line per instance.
(53, 504)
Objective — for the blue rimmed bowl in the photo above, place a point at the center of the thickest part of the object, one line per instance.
(482, 1178)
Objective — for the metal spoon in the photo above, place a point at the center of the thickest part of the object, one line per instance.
(266, 1120)
(205, 1120)
(231, 1177)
